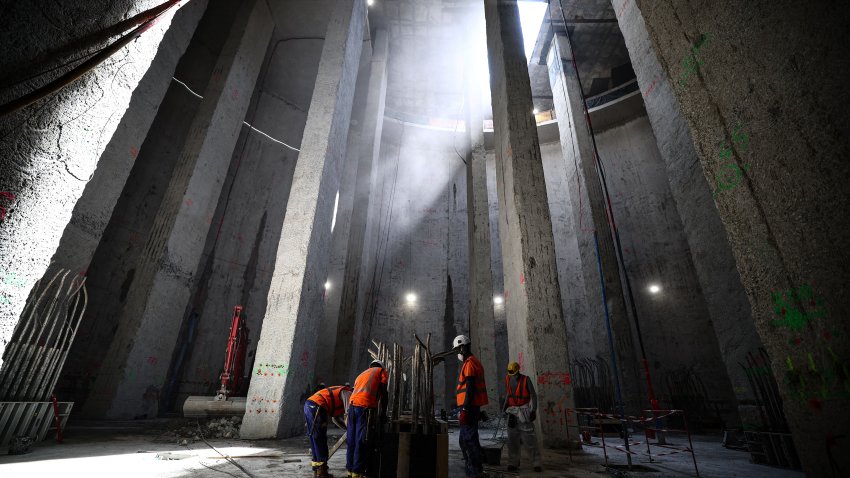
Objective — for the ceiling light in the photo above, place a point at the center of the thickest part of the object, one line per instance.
(535, 111)
(327, 285)
(498, 300)
(410, 297)
(370, 2)
(654, 288)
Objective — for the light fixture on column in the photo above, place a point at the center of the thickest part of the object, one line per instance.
(498, 300)
(410, 298)
(535, 111)
(654, 288)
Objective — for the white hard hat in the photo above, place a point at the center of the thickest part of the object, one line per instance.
(376, 362)
(460, 340)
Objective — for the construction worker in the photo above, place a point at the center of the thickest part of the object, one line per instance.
(370, 388)
(471, 395)
(521, 407)
(327, 402)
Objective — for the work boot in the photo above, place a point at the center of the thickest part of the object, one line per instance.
(322, 472)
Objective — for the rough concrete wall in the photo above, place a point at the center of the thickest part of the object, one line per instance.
(775, 73)
(677, 330)
(422, 244)
(51, 149)
(119, 237)
(708, 243)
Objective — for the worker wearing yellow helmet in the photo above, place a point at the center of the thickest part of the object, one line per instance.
(521, 407)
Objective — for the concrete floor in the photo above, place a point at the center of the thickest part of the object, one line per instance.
(130, 449)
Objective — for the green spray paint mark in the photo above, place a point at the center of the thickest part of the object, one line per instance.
(792, 317)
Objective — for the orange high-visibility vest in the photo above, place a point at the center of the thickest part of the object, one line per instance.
(472, 368)
(330, 399)
(367, 387)
(521, 395)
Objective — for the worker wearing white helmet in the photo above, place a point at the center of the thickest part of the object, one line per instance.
(471, 395)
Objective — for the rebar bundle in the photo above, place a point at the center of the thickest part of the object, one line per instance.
(35, 355)
(414, 373)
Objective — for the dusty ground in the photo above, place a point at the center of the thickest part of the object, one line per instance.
(130, 449)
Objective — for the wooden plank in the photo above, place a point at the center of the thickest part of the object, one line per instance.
(403, 464)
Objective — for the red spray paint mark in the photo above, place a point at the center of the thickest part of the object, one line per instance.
(522, 278)
(189, 202)
(152, 360)
(305, 359)
(815, 404)
(521, 360)
(3, 209)
(134, 152)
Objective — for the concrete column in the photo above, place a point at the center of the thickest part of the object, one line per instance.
(147, 330)
(335, 284)
(481, 321)
(592, 217)
(760, 106)
(290, 327)
(708, 242)
(370, 147)
(536, 333)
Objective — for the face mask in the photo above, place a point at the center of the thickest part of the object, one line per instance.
(460, 357)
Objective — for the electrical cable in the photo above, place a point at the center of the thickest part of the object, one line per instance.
(226, 457)
(610, 213)
(88, 65)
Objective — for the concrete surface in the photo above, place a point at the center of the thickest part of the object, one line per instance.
(52, 148)
(536, 330)
(290, 329)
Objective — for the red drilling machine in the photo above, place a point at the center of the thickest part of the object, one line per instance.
(232, 381)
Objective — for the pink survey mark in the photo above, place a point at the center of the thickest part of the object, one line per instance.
(134, 152)
(651, 87)
(3, 209)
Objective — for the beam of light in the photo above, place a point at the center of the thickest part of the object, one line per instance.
(530, 18)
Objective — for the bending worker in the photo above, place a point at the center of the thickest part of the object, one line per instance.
(521, 407)
(471, 395)
(370, 388)
(327, 402)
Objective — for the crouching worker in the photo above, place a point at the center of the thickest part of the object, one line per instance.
(370, 390)
(521, 407)
(328, 402)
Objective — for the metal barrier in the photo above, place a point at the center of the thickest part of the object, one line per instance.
(593, 423)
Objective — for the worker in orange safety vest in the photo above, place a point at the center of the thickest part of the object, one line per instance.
(370, 390)
(328, 402)
(471, 395)
(521, 407)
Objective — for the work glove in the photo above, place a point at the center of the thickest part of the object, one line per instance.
(463, 417)
(533, 416)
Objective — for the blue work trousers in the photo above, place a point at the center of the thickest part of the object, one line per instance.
(469, 444)
(317, 432)
(357, 457)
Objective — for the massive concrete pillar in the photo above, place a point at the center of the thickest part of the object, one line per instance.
(290, 326)
(334, 287)
(768, 121)
(592, 218)
(482, 329)
(147, 330)
(370, 147)
(708, 242)
(536, 332)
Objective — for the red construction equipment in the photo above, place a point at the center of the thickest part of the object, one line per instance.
(224, 403)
